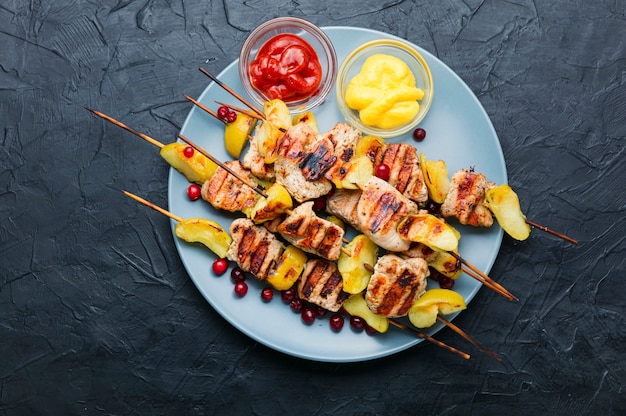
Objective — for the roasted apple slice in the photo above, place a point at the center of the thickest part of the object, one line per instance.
(207, 232)
(423, 313)
(353, 271)
(504, 204)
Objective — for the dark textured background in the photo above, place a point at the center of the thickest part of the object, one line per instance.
(97, 314)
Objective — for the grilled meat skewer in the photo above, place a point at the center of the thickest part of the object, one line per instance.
(305, 230)
(465, 199)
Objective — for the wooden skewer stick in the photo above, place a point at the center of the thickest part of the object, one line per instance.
(429, 338)
(186, 140)
(550, 231)
(223, 166)
(211, 112)
(154, 207)
(205, 108)
(475, 273)
(241, 110)
(125, 127)
(491, 284)
(468, 338)
(455, 328)
(232, 92)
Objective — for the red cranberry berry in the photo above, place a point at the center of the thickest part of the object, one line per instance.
(336, 322)
(288, 295)
(231, 117)
(445, 282)
(220, 266)
(296, 305)
(419, 134)
(308, 315)
(237, 274)
(320, 312)
(383, 171)
(267, 294)
(320, 203)
(193, 192)
(357, 323)
(432, 207)
(370, 330)
(241, 288)
(222, 112)
(188, 151)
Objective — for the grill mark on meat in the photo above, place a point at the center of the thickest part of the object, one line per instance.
(399, 296)
(328, 241)
(347, 154)
(405, 172)
(293, 226)
(226, 192)
(244, 250)
(315, 163)
(395, 284)
(331, 283)
(304, 229)
(258, 256)
(373, 154)
(465, 199)
(322, 285)
(385, 209)
(465, 192)
(389, 156)
(313, 278)
(254, 248)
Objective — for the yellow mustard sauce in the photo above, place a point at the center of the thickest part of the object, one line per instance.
(384, 92)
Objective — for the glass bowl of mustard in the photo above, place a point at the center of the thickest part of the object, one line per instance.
(290, 59)
(384, 88)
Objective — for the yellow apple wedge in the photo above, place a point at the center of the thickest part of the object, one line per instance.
(287, 269)
(354, 274)
(236, 134)
(207, 232)
(504, 204)
(436, 178)
(196, 168)
(429, 230)
(423, 313)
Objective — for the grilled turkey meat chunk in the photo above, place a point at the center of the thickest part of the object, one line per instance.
(225, 191)
(379, 210)
(395, 285)
(305, 230)
(295, 147)
(254, 160)
(254, 248)
(322, 285)
(405, 171)
(466, 197)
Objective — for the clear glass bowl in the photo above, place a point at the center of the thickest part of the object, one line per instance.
(352, 66)
(307, 31)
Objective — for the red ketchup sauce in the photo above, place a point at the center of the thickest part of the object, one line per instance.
(286, 68)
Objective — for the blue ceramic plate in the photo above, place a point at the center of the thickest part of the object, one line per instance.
(459, 132)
